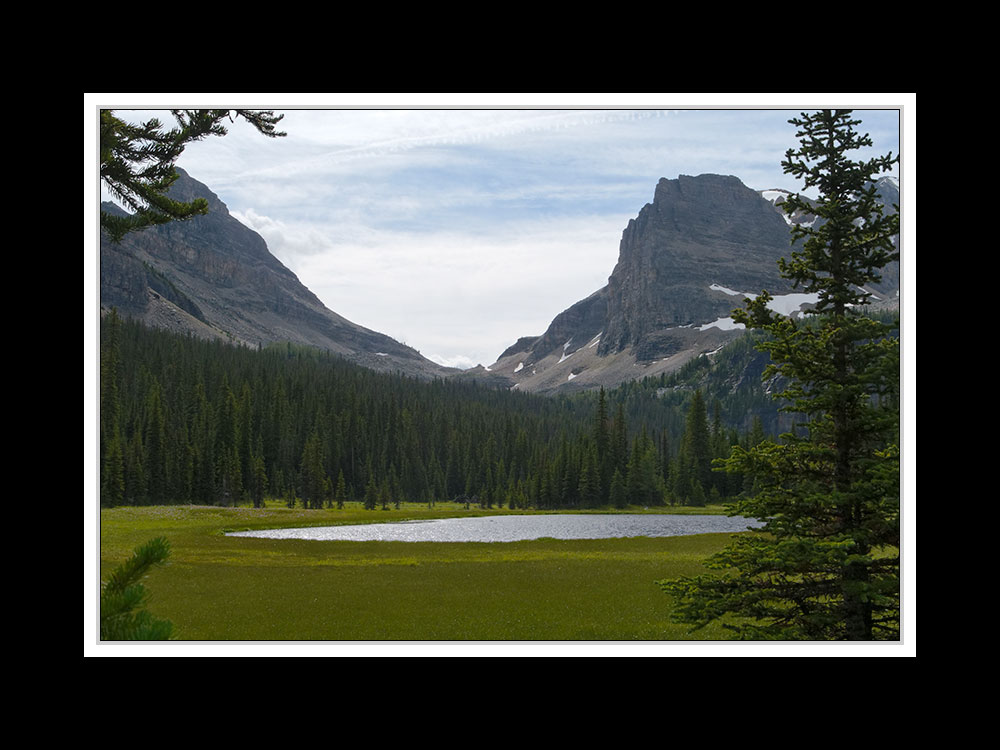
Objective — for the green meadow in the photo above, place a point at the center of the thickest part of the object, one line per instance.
(221, 588)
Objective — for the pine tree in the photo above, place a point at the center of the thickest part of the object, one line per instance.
(619, 441)
(112, 455)
(258, 481)
(680, 481)
(203, 446)
(602, 444)
(618, 496)
(642, 481)
(228, 471)
(371, 494)
(312, 476)
(589, 488)
(137, 163)
(155, 440)
(720, 450)
(123, 597)
(113, 471)
(135, 475)
(825, 564)
(340, 493)
(696, 446)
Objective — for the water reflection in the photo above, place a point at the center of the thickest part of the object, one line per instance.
(514, 528)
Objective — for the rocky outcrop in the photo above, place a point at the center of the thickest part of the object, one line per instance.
(215, 277)
(698, 231)
(685, 262)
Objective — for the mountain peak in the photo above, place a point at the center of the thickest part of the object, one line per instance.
(685, 262)
(215, 277)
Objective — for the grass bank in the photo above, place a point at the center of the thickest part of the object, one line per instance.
(220, 588)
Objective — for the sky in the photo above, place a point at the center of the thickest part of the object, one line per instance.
(459, 224)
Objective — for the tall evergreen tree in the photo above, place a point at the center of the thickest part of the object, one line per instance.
(112, 453)
(258, 478)
(642, 482)
(137, 163)
(371, 494)
(113, 470)
(312, 476)
(202, 422)
(589, 487)
(155, 442)
(825, 564)
(696, 447)
(135, 475)
(228, 470)
(340, 492)
(617, 494)
(619, 441)
(124, 616)
(111, 456)
(602, 445)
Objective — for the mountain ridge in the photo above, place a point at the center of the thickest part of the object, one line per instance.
(214, 277)
(685, 262)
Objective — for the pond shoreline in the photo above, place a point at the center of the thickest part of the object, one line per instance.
(515, 527)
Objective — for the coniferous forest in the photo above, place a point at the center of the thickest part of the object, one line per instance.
(188, 421)
(794, 423)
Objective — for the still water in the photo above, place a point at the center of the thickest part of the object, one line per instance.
(517, 528)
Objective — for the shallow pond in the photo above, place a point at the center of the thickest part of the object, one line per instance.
(515, 528)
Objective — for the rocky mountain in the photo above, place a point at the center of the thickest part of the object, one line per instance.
(214, 277)
(685, 262)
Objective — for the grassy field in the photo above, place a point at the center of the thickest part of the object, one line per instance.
(219, 588)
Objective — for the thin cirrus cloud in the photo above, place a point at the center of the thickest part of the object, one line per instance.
(459, 231)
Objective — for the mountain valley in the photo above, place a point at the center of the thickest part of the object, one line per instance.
(685, 262)
(213, 277)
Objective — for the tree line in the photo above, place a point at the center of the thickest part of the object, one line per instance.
(184, 420)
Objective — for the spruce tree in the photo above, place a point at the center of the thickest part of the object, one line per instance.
(124, 598)
(113, 471)
(137, 163)
(619, 441)
(589, 487)
(258, 481)
(112, 458)
(155, 443)
(643, 485)
(371, 493)
(312, 476)
(696, 447)
(825, 564)
(340, 493)
(618, 496)
(602, 443)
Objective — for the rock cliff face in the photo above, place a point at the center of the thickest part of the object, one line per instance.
(685, 262)
(698, 231)
(214, 277)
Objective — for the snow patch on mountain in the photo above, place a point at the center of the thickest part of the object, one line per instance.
(783, 304)
(566, 356)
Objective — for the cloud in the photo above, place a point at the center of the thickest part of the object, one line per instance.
(459, 231)
(289, 242)
(454, 294)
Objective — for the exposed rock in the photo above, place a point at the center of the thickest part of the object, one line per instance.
(685, 263)
(213, 276)
(698, 231)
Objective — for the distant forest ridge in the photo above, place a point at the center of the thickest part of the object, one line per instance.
(184, 420)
